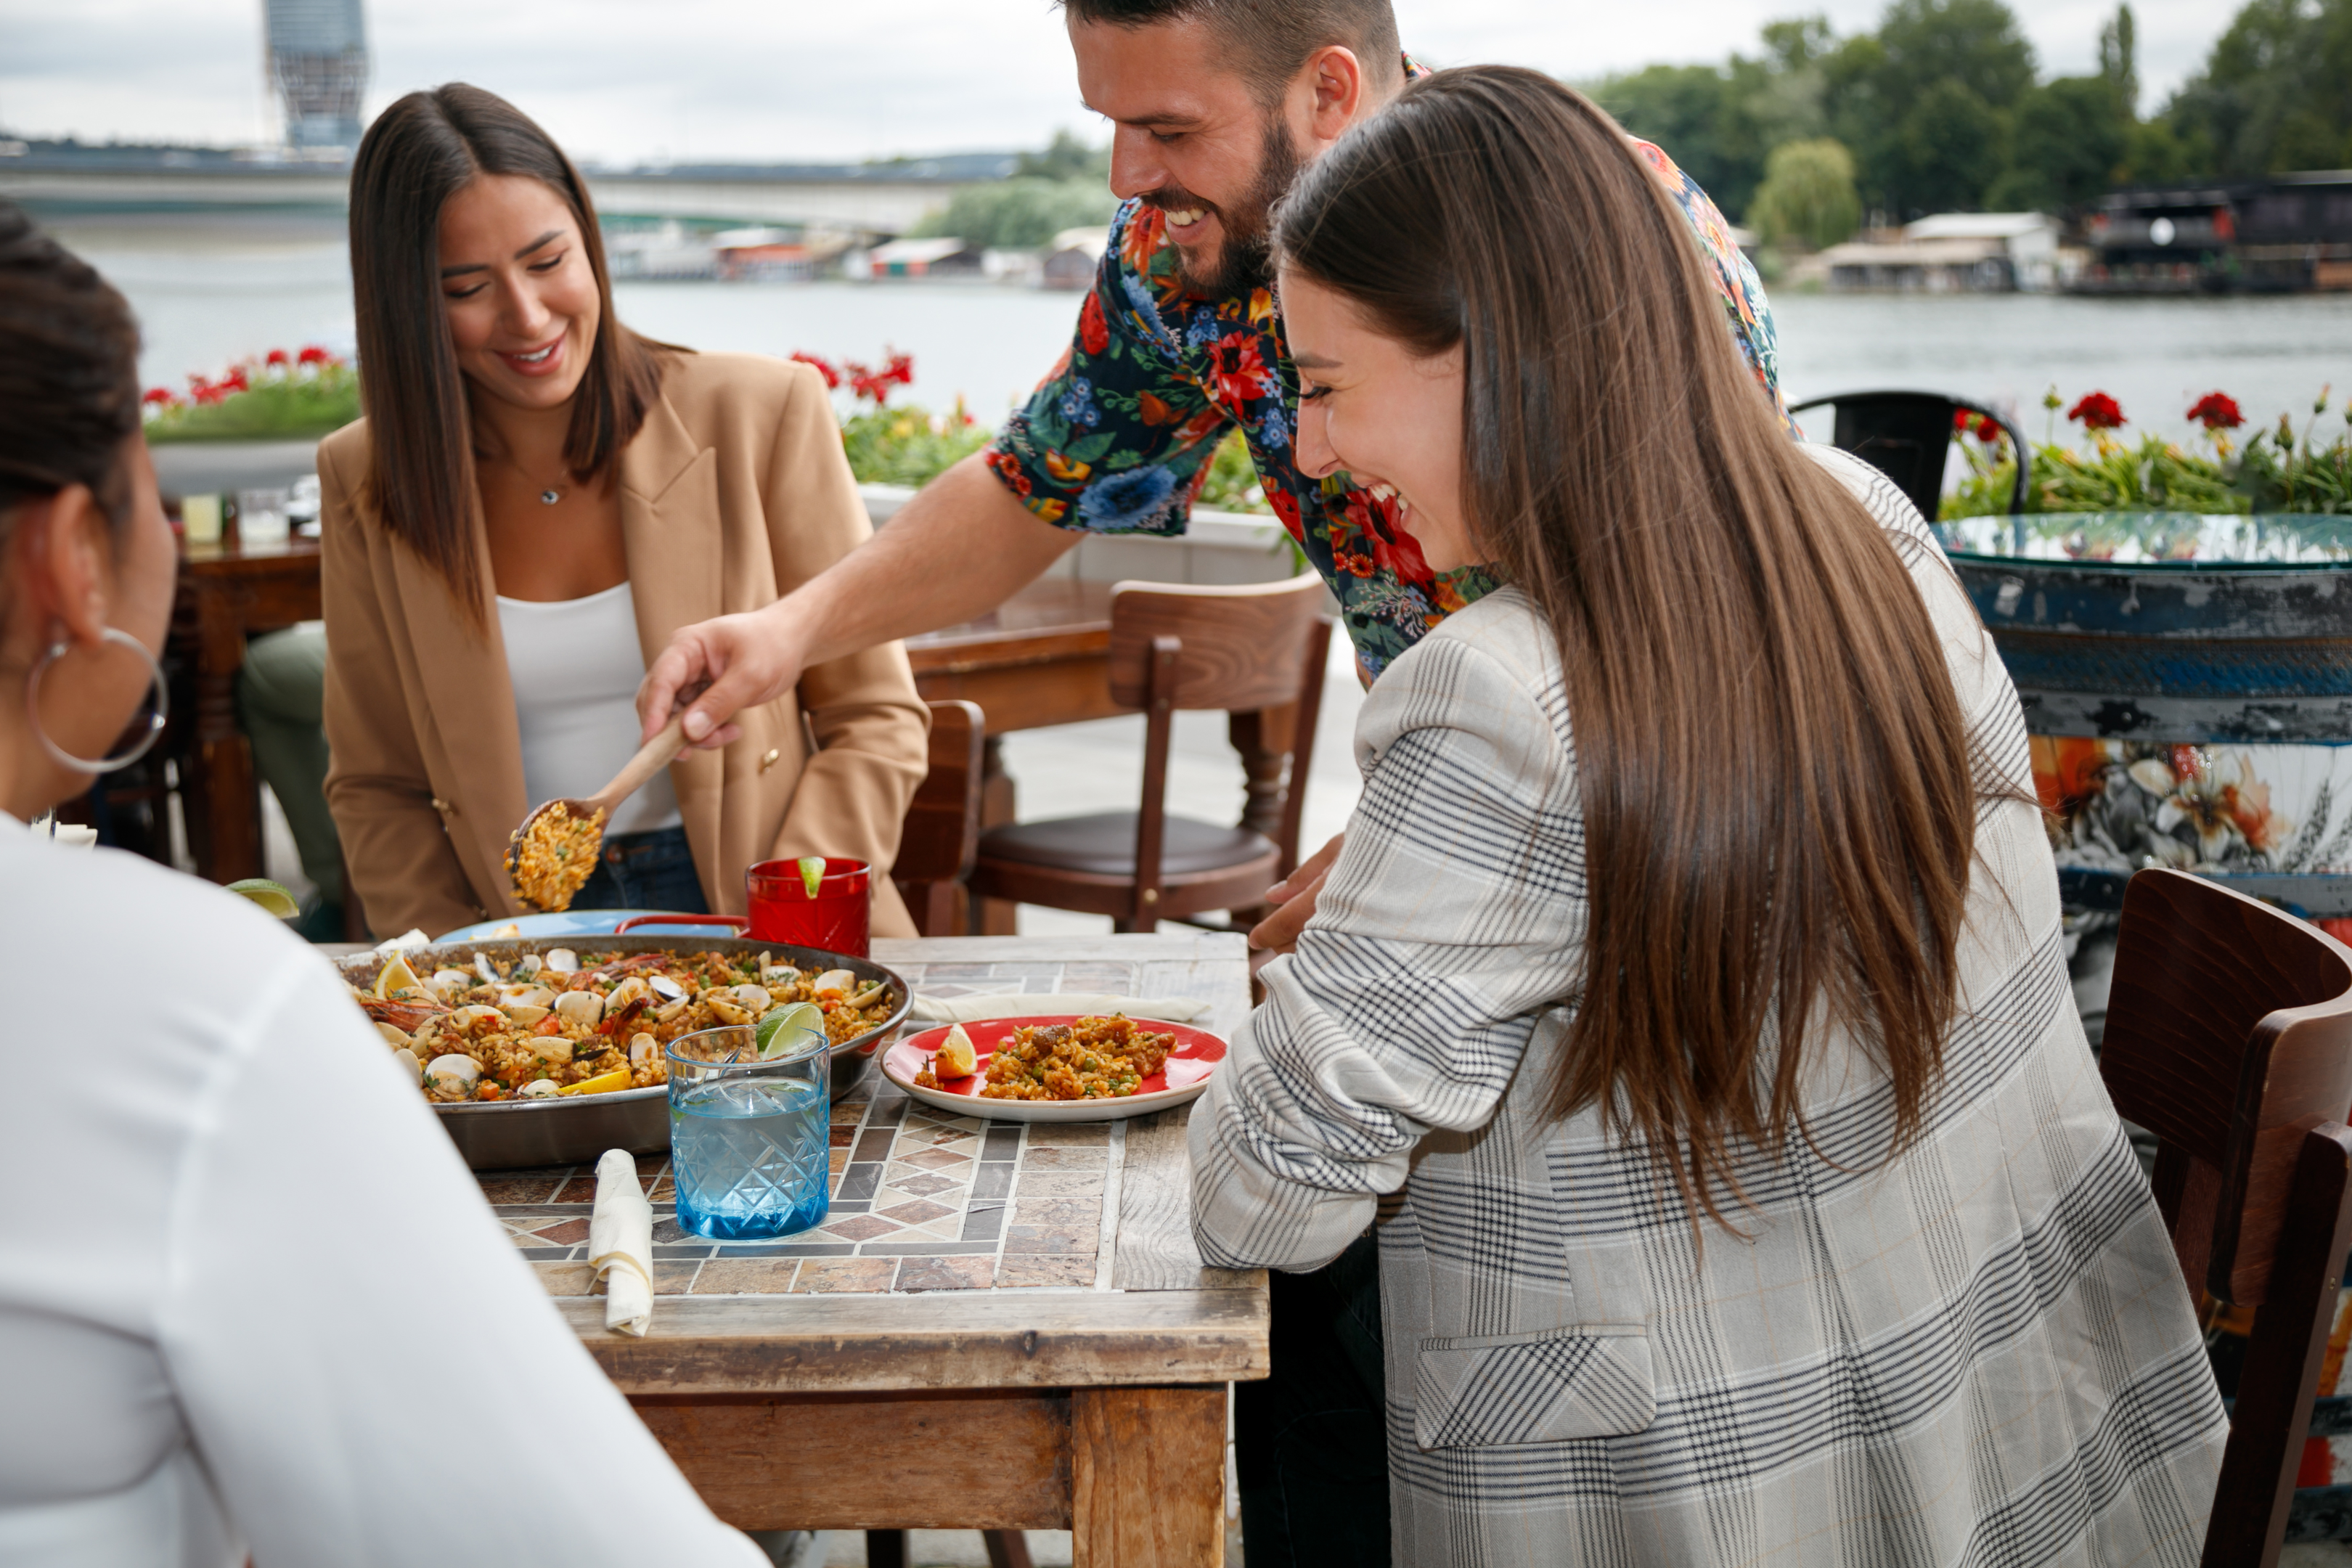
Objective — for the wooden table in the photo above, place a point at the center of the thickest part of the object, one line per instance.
(1000, 1326)
(227, 594)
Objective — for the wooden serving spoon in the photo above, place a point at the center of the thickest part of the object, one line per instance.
(652, 757)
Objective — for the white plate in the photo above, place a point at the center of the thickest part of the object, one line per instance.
(911, 1055)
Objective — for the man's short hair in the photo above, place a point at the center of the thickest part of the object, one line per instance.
(1270, 39)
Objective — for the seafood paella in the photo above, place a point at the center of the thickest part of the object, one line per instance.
(1094, 1059)
(552, 856)
(568, 1023)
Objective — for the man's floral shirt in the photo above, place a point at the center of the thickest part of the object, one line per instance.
(1117, 438)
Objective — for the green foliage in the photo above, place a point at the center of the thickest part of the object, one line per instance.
(1808, 195)
(1021, 213)
(907, 446)
(2281, 470)
(2066, 140)
(2155, 476)
(1232, 483)
(287, 409)
(2276, 94)
(1067, 157)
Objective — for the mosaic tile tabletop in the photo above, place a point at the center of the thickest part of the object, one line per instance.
(921, 1199)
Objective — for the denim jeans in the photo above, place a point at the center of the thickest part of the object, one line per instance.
(644, 871)
(1310, 1442)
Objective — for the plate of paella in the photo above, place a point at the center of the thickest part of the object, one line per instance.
(549, 1051)
(1056, 1066)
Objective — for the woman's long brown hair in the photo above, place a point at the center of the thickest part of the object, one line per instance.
(423, 149)
(1779, 806)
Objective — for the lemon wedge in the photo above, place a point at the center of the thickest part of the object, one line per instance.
(778, 1029)
(279, 900)
(397, 977)
(812, 872)
(603, 1084)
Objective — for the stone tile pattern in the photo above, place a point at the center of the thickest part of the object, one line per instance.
(921, 1200)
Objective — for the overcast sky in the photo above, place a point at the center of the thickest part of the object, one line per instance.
(629, 80)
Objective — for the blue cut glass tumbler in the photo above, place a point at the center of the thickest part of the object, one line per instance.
(749, 1135)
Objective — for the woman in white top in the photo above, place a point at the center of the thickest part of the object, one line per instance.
(250, 1300)
(537, 497)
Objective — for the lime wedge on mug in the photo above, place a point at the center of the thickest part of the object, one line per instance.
(770, 1037)
(279, 901)
(812, 872)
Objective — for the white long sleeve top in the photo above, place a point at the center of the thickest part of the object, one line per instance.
(250, 1299)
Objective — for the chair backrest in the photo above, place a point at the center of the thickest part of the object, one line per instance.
(1244, 647)
(941, 836)
(2229, 1036)
(1907, 435)
(2230, 1023)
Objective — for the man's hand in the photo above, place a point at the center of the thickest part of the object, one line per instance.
(716, 670)
(1294, 899)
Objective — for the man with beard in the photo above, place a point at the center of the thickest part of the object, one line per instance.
(1216, 105)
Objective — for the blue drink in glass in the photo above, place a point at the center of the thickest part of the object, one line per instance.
(748, 1137)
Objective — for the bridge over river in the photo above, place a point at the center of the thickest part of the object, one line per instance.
(872, 201)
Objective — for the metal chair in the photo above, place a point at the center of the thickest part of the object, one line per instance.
(2229, 1036)
(1904, 435)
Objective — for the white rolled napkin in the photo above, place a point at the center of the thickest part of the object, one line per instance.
(621, 1243)
(1022, 1005)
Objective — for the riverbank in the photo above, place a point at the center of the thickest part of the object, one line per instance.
(208, 294)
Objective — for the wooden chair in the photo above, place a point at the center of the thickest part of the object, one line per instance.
(941, 836)
(1905, 437)
(2229, 1036)
(1256, 652)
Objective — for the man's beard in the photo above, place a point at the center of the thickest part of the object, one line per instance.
(1245, 255)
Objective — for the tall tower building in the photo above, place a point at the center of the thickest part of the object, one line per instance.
(319, 63)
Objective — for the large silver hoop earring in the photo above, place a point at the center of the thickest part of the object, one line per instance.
(139, 748)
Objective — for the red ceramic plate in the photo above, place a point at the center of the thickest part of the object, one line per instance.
(1196, 1056)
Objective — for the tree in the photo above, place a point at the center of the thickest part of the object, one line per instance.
(2067, 140)
(1065, 158)
(1021, 213)
(2276, 94)
(1690, 111)
(1949, 147)
(2119, 60)
(1808, 195)
(1923, 102)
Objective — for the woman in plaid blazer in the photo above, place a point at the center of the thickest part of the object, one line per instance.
(1667, 1279)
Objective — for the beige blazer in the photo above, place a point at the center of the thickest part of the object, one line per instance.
(733, 493)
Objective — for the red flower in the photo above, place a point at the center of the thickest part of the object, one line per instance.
(1236, 369)
(1989, 430)
(1961, 420)
(832, 376)
(1093, 331)
(158, 394)
(314, 355)
(2217, 411)
(900, 368)
(2097, 412)
(278, 357)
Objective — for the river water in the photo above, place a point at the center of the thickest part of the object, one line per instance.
(210, 296)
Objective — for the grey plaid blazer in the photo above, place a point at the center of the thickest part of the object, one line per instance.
(1979, 1352)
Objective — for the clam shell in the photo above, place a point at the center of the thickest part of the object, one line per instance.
(462, 1072)
(539, 1089)
(835, 983)
(393, 1034)
(581, 1007)
(408, 1059)
(563, 961)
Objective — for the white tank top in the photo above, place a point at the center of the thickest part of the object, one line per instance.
(575, 666)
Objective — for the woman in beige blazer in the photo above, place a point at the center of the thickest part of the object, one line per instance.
(529, 462)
